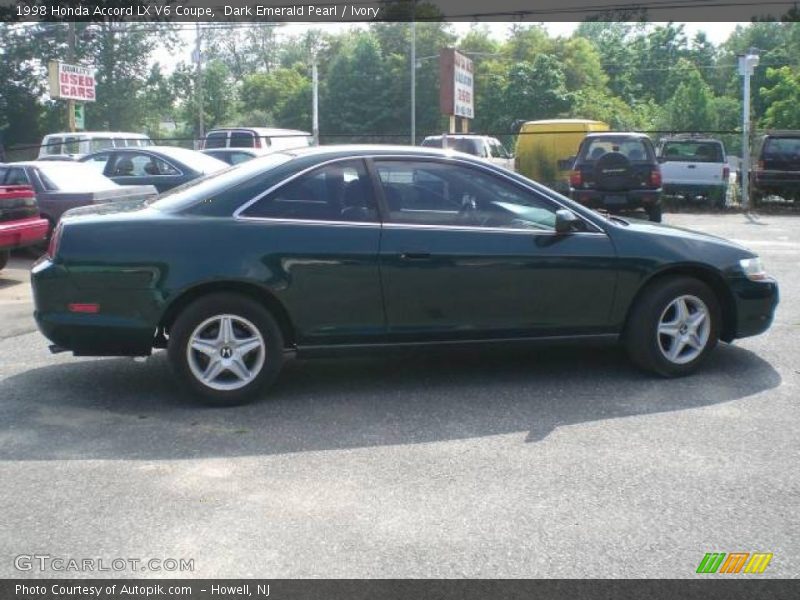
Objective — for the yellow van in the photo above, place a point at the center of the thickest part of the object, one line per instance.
(545, 147)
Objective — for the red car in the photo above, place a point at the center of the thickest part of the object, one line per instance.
(20, 224)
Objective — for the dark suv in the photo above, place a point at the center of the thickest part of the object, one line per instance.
(617, 171)
(778, 169)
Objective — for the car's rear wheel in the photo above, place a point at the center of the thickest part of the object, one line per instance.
(673, 326)
(4, 256)
(654, 213)
(226, 348)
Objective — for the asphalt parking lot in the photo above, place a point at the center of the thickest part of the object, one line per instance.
(561, 462)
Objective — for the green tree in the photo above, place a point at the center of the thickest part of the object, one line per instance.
(690, 108)
(782, 98)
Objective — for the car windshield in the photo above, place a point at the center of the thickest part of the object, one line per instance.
(205, 187)
(191, 158)
(634, 149)
(73, 177)
(689, 151)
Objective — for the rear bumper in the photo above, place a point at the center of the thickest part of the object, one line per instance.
(616, 200)
(756, 302)
(694, 189)
(116, 330)
(26, 232)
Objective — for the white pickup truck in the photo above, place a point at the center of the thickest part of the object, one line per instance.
(486, 147)
(695, 169)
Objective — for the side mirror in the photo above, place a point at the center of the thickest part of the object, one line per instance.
(566, 221)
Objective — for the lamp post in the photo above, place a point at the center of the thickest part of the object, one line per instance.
(747, 63)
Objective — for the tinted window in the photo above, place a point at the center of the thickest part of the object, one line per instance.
(216, 140)
(340, 191)
(782, 146)
(132, 164)
(635, 149)
(242, 139)
(434, 193)
(692, 151)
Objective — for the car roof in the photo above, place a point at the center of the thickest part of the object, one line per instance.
(125, 134)
(227, 150)
(261, 130)
(616, 134)
(459, 136)
(677, 138)
(376, 149)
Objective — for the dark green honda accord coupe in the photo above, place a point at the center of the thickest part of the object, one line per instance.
(354, 247)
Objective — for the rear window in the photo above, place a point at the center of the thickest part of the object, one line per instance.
(782, 147)
(635, 149)
(98, 144)
(216, 140)
(692, 151)
(242, 139)
(467, 146)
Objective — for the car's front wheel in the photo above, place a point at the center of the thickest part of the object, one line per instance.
(226, 348)
(673, 326)
(4, 256)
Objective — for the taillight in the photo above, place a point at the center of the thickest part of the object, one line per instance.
(575, 179)
(655, 178)
(726, 173)
(55, 241)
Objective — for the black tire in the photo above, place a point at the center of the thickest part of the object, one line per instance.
(249, 313)
(654, 213)
(644, 343)
(4, 256)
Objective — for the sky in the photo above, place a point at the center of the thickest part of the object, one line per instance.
(716, 33)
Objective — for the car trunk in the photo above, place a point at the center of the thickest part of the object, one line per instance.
(16, 203)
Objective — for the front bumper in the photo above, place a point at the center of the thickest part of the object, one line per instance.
(616, 200)
(755, 303)
(25, 232)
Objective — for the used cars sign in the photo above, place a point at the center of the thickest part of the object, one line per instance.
(71, 82)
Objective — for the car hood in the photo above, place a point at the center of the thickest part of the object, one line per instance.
(688, 239)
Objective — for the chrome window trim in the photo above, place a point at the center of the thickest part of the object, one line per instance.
(237, 214)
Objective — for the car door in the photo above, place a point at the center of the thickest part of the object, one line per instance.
(469, 253)
(317, 237)
(144, 168)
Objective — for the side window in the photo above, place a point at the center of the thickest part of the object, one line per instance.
(3, 173)
(434, 193)
(242, 139)
(71, 145)
(133, 164)
(340, 191)
(53, 145)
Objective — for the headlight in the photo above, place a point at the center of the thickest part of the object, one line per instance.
(753, 269)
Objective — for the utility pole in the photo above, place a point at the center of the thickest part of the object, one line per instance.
(71, 60)
(414, 76)
(315, 100)
(198, 58)
(747, 63)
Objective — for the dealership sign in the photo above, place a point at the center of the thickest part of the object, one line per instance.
(71, 82)
(457, 95)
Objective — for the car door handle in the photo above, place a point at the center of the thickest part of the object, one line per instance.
(415, 255)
